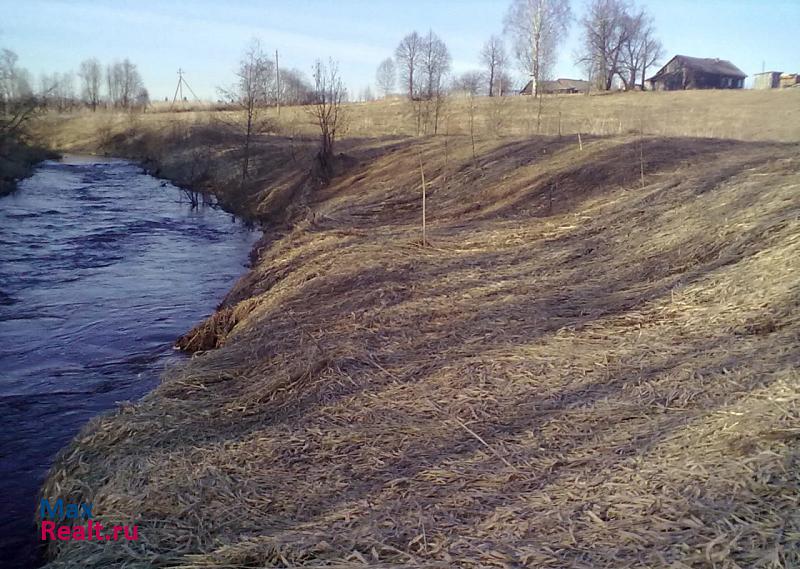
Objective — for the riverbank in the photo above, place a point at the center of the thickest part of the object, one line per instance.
(593, 362)
(18, 161)
(198, 152)
(86, 315)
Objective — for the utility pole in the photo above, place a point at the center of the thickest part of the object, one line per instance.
(179, 89)
(277, 84)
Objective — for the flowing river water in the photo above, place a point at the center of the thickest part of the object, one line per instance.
(102, 267)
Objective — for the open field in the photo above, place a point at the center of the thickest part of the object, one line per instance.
(739, 115)
(593, 363)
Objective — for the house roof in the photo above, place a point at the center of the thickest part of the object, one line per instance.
(577, 84)
(559, 84)
(706, 65)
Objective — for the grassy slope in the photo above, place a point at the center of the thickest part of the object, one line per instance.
(578, 372)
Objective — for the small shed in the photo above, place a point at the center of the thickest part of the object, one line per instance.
(790, 80)
(684, 72)
(767, 80)
(559, 87)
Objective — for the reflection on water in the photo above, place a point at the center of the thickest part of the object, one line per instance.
(101, 268)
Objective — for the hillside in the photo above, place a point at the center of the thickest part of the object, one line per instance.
(593, 363)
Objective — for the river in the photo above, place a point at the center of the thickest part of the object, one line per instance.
(102, 267)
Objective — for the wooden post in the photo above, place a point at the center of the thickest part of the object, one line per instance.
(641, 149)
(446, 137)
(580, 143)
(559, 124)
(422, 175)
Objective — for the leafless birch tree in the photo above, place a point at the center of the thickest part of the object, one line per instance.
(493, 57)
(124, 84)
(385, 76)
(91, 74)
(250, 93)
(536, 28)
(327, 110)
(409, 59)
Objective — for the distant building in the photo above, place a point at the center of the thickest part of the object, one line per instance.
(767, 80)
(559, 86)
(683, 72)
(790, 80)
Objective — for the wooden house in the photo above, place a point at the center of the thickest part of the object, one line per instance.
(790, 80)
(558, 87)
(683, 72)
(767, 80)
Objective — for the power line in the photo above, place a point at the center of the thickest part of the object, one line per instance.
(179, 88)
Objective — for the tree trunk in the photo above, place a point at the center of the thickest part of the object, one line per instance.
(644, 70)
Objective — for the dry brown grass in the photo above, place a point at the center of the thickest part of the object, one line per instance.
(769, 115)
(578, 372)
(739, 115)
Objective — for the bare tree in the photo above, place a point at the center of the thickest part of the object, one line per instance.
(503, 83)
(493, 57)
(130, 83)
(470, 82)
(8, 63)
(409, 55)
(432, 93)
(435, 65)
(60, 90)
(536, 28)
(18, 105)
(295, 88)
(142, 100)
(327, 111)
(14, 81)
(650, 50)
(385, 76)
(640, 51)
(608, 27)
(91, 74)
(112, 85)
(124, 84)
(251, 93)
(366, 95)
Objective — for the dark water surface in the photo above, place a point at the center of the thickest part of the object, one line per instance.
(101, 269)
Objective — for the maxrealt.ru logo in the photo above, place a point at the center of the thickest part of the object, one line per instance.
(53, 514)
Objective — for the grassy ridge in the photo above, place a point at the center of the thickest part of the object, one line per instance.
(201, 149)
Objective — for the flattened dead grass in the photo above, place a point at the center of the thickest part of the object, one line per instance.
(598, 375)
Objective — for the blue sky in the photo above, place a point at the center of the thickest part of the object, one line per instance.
(205, 38)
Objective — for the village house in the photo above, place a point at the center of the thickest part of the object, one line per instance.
(683, 72)
(559, 87)
(767, 80)
(789, 80)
